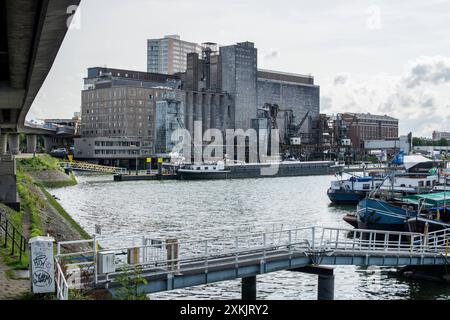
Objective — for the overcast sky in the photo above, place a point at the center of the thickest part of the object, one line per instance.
(388, 57)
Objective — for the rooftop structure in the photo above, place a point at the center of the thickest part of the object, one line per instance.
(168, 55)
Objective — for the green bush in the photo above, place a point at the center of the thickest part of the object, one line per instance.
(129, 281)
(38, 163)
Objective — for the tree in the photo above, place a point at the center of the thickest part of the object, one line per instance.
(443, 142)
(417, 141)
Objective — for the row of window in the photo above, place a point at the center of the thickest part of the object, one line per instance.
(123, 152)
(116, 93)
(117, 143)
(112, 110)
(106, 132)
(110, 126)
(130, 117)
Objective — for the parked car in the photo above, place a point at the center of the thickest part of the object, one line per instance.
(60, 153)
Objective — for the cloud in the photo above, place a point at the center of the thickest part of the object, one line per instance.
(434, 70)
(273, 53)
(341, 78)
(419, 97)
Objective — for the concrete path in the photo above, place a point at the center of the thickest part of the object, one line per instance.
(11, 289)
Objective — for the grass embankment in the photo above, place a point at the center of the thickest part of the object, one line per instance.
(39, 212)
(47, 171)
(44, 171)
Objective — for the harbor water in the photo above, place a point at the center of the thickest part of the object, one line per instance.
(193, 207)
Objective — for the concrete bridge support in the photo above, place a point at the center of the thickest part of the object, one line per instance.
(31, 143)
(14, 143)
(3, 143)
(248, 289)
(325, 283)
(47, 144)
(8, 186)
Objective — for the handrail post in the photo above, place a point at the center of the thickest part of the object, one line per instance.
(264, 246)
(313, 238)
(337, 239)
(20, 249)
(289, 240)
(206, 255)
(13, 238)
(95, 259)
(6, 233)
(236, 250)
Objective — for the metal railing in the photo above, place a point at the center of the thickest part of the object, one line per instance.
(370, 241)
(62, 288)
(171, 255)
(84, 166)
(13, 236)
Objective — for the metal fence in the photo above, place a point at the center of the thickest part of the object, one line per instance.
(11, 236)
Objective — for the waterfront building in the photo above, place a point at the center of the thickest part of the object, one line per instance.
(129, 113)
(438, 135)
(168, 55)
(117, 114)
(366, 126)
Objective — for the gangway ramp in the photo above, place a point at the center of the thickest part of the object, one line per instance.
(91, 167)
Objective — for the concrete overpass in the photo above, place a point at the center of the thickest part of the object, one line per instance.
(31, 33)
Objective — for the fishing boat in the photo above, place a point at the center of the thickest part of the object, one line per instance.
(352, 190)
(415, 175)
(407, 213)
(388, 207)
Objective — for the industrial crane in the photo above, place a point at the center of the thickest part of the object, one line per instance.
(296, 128)
(271, 113)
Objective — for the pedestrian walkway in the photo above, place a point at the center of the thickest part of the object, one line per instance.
(11, 289)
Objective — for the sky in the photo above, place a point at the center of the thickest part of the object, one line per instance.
(380, 56)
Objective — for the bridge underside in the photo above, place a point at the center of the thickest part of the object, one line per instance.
(31, 33)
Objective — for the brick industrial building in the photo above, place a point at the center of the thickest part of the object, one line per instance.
(366, 126)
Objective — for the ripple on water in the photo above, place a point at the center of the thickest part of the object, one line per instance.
(193, 207)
